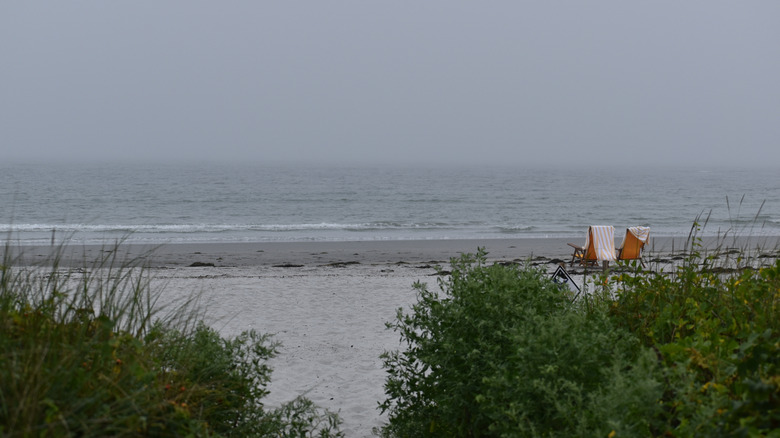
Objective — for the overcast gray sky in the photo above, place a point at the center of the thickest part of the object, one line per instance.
(510, 82)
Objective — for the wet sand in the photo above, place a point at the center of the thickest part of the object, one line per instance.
(324, 253)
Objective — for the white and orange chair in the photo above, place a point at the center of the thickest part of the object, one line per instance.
(599, 247)
(633, 243)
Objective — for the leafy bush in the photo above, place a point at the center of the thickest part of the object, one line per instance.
(224, 380)
(718, 334)
(90, 353)
(501, 351)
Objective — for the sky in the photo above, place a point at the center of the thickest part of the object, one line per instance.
(462, 82)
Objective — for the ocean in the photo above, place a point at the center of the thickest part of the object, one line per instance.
(200, 203)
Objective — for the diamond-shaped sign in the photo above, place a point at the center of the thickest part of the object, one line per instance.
(562, 277)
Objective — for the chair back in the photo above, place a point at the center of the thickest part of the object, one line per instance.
(633, 242)
(600, 244)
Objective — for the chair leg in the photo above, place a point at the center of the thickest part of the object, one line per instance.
(576, 255)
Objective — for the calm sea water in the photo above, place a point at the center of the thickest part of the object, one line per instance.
(98, 203)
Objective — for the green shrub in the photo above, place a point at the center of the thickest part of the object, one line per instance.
(89, 353)
(718, 334)
(501, 351)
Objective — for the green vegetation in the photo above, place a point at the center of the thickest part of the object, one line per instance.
(90, 353)
(503, 351)
(717, 335)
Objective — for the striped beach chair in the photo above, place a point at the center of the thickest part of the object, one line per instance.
(599, 247)
(633, 243)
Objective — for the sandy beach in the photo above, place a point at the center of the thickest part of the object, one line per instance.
(325, 302)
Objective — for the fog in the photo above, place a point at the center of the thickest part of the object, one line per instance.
(503, 82)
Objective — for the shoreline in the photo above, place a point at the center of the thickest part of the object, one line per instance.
(374, 252)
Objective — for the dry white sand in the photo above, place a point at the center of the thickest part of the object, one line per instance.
(330, 322)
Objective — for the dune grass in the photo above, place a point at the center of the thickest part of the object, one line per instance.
(89, 352)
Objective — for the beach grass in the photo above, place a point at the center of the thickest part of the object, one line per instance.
(90, 352)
